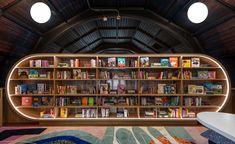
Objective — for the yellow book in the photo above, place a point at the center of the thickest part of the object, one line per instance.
(186, 63)
(63, 112)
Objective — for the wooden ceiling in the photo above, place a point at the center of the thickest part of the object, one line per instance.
(146, 26)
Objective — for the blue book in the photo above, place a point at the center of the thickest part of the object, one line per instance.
(23, 89)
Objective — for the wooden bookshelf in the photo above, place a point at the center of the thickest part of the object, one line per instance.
(79, 79)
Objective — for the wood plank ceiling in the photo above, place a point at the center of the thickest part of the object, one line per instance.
(166, 30)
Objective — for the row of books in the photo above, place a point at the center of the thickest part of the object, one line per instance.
(159, 89)
(206, 88)
(40, 88)
(121, 89)
(117, 62)
(160, 101)
(121, 62)
(76, 74)
(84, 113)
(163, 62)
(205, 74)
(75, 89)
(75, 101)
(34, 74)
(117, 75)
(77, 63)
(191, 62)
(159, 75)
(40, 63)
(125, 101)
(186, 113)
(193, 101)
(37, 101)
(162, 113)
(120, 113)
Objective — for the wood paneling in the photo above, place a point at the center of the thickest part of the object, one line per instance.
(10, 116)
(1, 107)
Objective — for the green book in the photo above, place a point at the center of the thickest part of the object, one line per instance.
(90, 101)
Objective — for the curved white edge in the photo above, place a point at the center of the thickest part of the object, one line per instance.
(53, 55)
(209, 126)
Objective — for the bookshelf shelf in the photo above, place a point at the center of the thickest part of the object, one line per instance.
(34, 107)
(20, 95)
(172, 87)
(32, 79)
(207, 106)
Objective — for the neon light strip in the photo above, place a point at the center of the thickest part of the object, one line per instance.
(65, 55)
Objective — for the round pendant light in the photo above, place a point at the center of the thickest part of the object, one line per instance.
(40, 12)
(197, 12)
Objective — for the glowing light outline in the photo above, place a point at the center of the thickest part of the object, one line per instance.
(227, 95)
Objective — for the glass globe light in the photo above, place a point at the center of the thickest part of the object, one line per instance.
(40, 12)
(197, 12)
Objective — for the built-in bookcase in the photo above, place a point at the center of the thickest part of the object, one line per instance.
(73, 86)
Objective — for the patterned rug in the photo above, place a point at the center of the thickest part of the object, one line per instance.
(114, 135)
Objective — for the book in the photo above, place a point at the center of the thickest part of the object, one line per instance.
(202, 74)
(23, 73)
(195, 89)
(23, 89)
(93, 63)
(26, 101)
(77, 63)
(164, 62)
(144, 61)
(160, 88)
(121, 62)
(32, 89)
(121, 89)
(173, 61)
(104, 89)
(33, 74)
(186, 63)
(195, 62)
(77, 74)
(211, 74)
(112, 62)
(84, 101)
(187, 74)
(38, 63)
(45, 101)
(63, 112)
(41, 88)
(36, 101)
(90, 101)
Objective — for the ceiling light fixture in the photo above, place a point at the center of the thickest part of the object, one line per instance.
(40, 12)
(105, 18)
(197, 12)
(104, 10)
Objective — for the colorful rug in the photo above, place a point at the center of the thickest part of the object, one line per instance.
(114, 135)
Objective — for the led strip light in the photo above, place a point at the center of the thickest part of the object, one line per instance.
(84, 55)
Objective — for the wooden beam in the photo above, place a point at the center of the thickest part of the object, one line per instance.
(145, 15)
(127, 45)
(21, 23)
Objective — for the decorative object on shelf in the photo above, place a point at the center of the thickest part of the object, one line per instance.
(23, 73)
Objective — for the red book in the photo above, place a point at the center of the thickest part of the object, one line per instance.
(26, 101)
